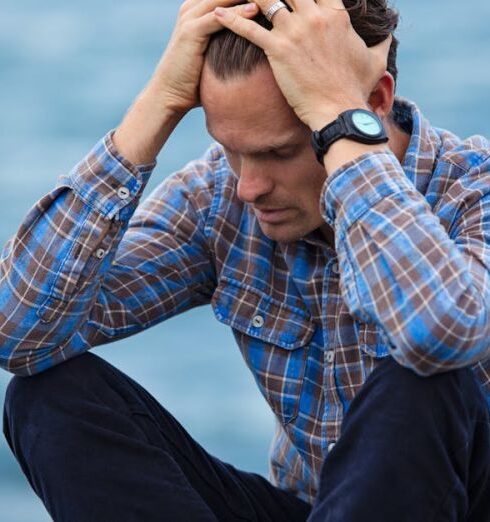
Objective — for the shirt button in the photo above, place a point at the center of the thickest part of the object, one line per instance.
(100, 253)
(258, 321)
(335, 268)
(123, 193)
(330, 356)
(331, 446)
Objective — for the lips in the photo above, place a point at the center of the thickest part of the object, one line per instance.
(273, 215)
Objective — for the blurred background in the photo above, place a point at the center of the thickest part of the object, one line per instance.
(68, 72)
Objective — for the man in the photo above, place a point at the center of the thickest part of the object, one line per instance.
(353, 271)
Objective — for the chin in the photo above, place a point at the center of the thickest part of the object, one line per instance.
(283, 233)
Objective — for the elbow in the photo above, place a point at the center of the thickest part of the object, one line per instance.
(27, 358)
(456, 340)
(23, 362)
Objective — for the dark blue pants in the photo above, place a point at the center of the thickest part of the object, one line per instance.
(95, 446)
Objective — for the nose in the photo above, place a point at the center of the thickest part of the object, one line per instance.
(254, 181)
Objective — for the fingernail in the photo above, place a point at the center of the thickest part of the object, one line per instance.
(219, 11)
(249, 8)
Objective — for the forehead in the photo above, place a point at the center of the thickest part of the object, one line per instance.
(248, 112)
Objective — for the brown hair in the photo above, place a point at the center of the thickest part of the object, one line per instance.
(230, 55)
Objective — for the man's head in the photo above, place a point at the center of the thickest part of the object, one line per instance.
(267, 146)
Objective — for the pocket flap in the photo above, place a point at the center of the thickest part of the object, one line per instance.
(254, 313)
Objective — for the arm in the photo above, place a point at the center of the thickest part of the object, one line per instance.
(78, 273)
(425, 286)
(428, 291)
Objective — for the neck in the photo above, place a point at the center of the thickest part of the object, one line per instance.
(399, 140)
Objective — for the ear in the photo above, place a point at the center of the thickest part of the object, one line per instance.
(382, 97)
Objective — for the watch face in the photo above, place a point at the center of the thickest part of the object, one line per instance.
(366, 123)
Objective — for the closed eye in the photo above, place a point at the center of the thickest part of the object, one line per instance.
(284, 154)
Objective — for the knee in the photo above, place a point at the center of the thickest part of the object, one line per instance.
(29, 399)
(457, 390)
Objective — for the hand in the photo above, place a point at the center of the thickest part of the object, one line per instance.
(320, 63)
(176, 78)
(174, 87)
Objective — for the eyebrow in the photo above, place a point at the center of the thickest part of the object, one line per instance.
(290, 142)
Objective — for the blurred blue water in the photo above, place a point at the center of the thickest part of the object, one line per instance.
(68, 71)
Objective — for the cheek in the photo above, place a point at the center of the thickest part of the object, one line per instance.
(307, 179)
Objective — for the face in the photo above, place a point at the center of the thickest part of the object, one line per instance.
(268, 149)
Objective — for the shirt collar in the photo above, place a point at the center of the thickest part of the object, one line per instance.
(424, 146)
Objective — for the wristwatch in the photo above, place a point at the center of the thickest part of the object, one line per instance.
(357, 125)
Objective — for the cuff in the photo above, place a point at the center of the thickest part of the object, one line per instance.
(356, 187)
(107, 181)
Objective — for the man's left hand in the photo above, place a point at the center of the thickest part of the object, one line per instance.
(320, 63)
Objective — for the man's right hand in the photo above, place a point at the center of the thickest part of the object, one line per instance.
(174, 87)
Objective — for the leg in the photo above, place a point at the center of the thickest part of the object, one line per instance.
(412, 449)
(95, 445)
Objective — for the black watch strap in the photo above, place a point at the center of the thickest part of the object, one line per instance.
(356, 125)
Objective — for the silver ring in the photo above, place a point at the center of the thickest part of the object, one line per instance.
(276, 6)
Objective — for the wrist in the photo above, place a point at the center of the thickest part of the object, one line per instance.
(344, 151)
(351, 134)
(145, 128)
(160, 97)
(323, 115)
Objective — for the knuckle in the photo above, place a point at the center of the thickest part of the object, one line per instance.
(295, 36)
(284, 47)
(234, 19)
(183, 9)
(342, 18)
(317, 22)
(191, 27)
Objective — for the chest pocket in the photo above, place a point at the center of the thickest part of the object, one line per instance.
(273, 339)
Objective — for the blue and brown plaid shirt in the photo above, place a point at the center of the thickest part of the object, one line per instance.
(408, 276)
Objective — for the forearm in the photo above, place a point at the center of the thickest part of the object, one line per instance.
(345, 151)
(51, 271)
(402, 271)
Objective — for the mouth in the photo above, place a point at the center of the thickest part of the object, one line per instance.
(273, 215)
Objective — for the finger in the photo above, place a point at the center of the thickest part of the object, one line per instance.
(249, 29)
(299, 6)
(210, 23)
(280, 17)
(208, 6)
(333, 4)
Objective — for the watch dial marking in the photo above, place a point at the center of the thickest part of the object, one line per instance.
(366, 123)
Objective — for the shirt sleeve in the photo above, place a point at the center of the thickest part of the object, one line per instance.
(425, 285)
(86, 269)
